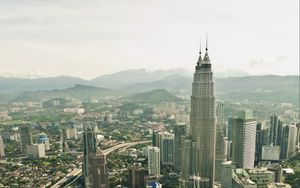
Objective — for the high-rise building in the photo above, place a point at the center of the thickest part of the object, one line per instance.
(136, 176)
(167, 149)
(289, 138)
(89, 147)
(153, 161)
(26, 137)
(275, 125)
(2, 153)
(35, 151)
(298, 135)
(226, 174)
(180, 131)
(262, 139)
(243, 141)
(221, 140)
(203, 119)
(188, 158)
(229, 128)
(98, 176)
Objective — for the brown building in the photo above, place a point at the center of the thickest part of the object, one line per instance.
(136, 176)
(98, 176)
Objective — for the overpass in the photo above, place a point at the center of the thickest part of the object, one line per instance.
(78, 171)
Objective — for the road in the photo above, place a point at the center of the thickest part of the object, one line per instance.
(77, 171)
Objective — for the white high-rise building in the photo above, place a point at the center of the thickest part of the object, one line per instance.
(153, 161)
(243, 140)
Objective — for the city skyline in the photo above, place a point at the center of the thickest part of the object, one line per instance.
(91, 38)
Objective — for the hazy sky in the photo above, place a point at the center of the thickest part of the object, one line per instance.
(87, 38)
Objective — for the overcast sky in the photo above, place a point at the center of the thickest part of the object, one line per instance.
(88, 38)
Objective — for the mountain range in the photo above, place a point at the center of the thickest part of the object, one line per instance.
(131, 82)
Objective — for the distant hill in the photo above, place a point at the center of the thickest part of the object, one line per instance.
(78, 91)
(255, 88)
(155, 96)
(174, 84)
(18, 85)
(124, 78)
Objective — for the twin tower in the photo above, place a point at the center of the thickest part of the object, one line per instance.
(202, 142)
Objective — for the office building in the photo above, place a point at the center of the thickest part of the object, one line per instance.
(298, 136)
(180, 131)
(275, 130)
(262, 139)
(35, 151)
(167, 149)
(243, 143)
(153, 161)
(226, 174)
(221, 140)
(229, 128)
(136, 176)
(188, 158)
(2, 153)
(289, 138)
(98, 176)
(26, 137)
(203, 119)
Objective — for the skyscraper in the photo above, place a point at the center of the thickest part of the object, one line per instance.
(262, 139)
(26, 137)
(203, 119)
(226, 178)
(153, 161)
(289, 138)
(89, 147)
(275, 131)
(136, 175)
(180, 131)
(221, 140)
(98, 176)
(167, 149)
(2, 154)
(243, 141)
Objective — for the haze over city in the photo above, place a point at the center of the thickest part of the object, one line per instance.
(91, 38)
(149, 94)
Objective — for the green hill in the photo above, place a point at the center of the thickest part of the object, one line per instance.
(78, 91)
(156, 96)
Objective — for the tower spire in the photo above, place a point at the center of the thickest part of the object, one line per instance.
(206, 57)
(206, 48)
(200, 57)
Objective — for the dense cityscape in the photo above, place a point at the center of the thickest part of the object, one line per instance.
(149, 94)
(153, 139)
